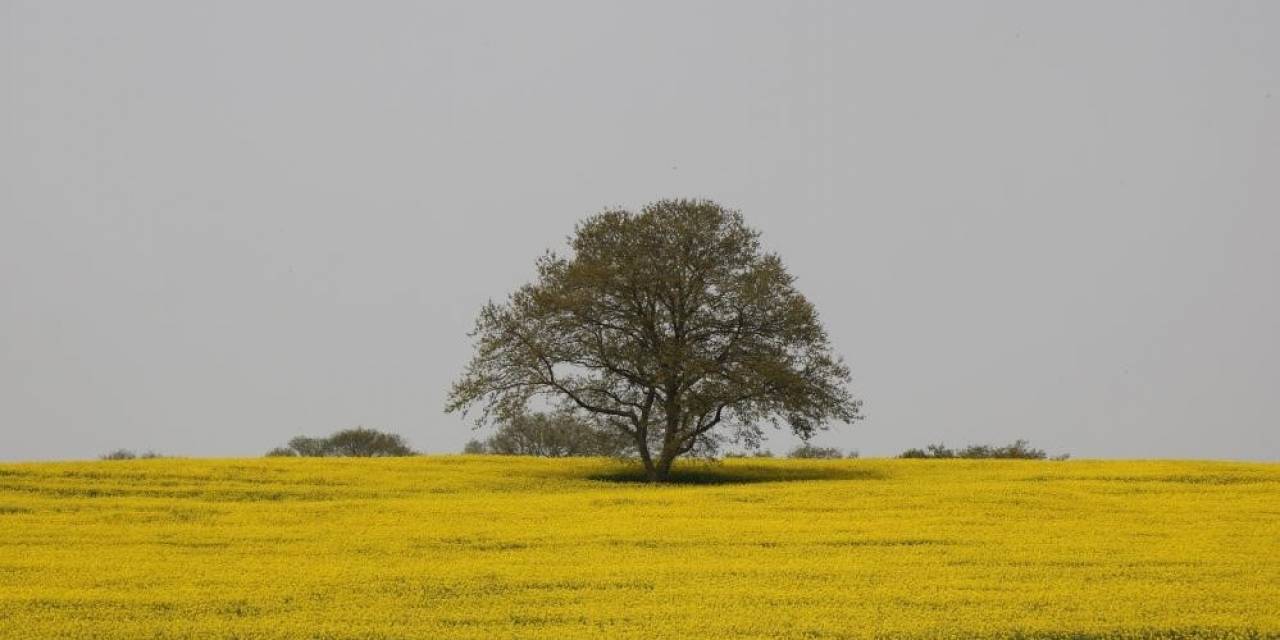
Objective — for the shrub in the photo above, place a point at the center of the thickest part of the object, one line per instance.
(809, 451)
(357, 443)
(757, 453)
(367, 443)
(310, 447)
(1018, 450)
(126, 454)
(750, 453)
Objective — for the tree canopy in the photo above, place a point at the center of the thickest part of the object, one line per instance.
(359, 442)
(670, 325)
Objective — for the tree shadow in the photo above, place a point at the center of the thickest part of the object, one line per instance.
(749, 473)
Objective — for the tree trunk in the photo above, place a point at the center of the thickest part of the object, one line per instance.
(663, 467)
(656, 471)
(650, 471)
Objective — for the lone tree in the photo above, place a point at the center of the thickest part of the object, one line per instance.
(666, 325)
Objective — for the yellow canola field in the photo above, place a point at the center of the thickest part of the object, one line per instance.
(494, 547)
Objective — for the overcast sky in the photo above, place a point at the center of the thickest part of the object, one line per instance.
(223, 224)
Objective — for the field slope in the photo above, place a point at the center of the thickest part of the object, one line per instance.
(486, 547)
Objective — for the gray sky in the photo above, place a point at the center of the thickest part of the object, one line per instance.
(224, 224)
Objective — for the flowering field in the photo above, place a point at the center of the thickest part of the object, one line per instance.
(485, 547)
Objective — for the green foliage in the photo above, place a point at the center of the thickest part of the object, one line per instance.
(553, 435)
(671, 326)
(367, 443)
(1019, 450)
(809, 451)
(758, 453)
(358, 442)
(126, 454)
(310, 447)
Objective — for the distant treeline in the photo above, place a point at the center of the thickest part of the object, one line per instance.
(127, 454)
(557, 435)
(1019, 450)
(357, 443)
(553, 435)
(805, 451)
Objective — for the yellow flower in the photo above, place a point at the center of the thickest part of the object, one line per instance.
(488, 546)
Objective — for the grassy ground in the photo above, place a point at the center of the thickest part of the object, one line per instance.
(486, 547)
